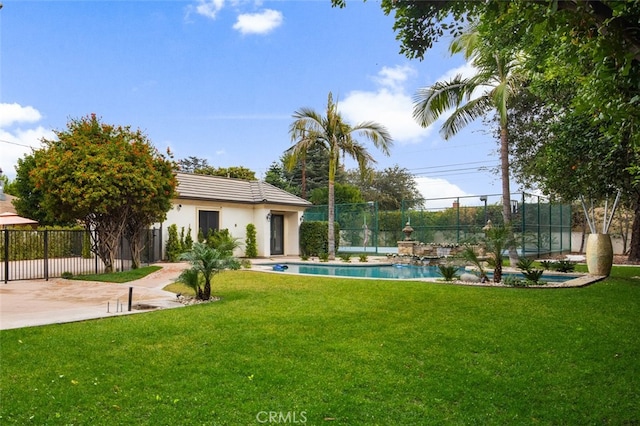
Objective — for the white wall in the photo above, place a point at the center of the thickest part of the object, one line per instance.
(235, 218)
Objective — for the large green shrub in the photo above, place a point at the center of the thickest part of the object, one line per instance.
(173, 248)
(314, 238)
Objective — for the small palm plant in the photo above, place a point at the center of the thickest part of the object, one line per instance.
(448, 271)
(498, 239)
(208, 262)
(471, 256)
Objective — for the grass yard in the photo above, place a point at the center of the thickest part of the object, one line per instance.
(121, 276)
(323, 351)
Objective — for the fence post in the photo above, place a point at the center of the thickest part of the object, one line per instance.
(6, 255)
(46, 255)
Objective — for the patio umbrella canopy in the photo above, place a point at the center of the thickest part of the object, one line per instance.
(12, 219)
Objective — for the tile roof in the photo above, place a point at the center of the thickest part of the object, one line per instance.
(6, 205)
(216, 188)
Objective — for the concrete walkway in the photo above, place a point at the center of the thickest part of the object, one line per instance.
(39, 302)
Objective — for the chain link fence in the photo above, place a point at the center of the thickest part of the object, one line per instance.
(540, 226)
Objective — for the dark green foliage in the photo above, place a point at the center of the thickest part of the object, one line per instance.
(564, 265)
(251, 250)
(208, 261)
(223, 241)
(313, 238)
(188, 240)
(345, 257)
(448, 271)
(344, 194)
(525, 263)
(173, 247)
(27, 244)
(470, 256)
(526, 266)
(363, 257)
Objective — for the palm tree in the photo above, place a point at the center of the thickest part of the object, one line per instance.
(499, 77)
(311, 130)
(208, 262)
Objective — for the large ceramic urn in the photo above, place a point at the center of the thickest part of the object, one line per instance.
(599, 254)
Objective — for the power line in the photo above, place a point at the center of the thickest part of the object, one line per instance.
(454, 164)
(16, 143)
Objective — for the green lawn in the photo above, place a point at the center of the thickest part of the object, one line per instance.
(121, 276)
(323, 351)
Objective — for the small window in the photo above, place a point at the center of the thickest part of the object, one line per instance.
(208, 221)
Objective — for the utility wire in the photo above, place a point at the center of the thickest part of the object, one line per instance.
(16, 143)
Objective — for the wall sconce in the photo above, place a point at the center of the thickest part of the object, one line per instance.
(269, 217)
(179, 207)
(301, 218)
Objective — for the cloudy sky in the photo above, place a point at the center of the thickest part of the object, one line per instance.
(220, 80)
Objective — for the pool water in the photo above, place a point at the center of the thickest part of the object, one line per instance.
(402, 272)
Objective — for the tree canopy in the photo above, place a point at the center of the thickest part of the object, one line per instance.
(201, 166)
(106, 176)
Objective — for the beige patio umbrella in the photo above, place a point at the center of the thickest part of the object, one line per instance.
(12, 219)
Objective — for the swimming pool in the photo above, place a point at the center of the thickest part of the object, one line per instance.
(401, 272)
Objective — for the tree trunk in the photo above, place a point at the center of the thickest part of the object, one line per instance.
(108, 231)
(206, 294)
(634, 249)
(331, 240)
(506, 196)
(303, 185)
(136, 247)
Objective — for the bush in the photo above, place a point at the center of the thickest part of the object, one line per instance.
(173, 248)
(251, 245)
(364, 257)
(345, 257)
(448, 271)
(313, 238)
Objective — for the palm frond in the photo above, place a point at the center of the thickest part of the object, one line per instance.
(433, 101)
(465, 114)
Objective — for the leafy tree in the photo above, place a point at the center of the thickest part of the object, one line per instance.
(344, 194)
(311, 130)
(29, 199)
(499, 76)
(104, 176)
(276, 177)
(230, 172)
(192, 164)
(208, 261)
(390, 188)
(201, 166)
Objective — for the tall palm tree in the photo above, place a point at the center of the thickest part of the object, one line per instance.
(310, 129)
(499, 77)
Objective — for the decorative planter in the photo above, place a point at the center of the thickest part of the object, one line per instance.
(599, 254)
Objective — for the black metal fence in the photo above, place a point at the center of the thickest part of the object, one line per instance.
(43, 254)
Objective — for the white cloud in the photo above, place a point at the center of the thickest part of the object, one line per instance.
(258, 23)
(15, 141)
(15, 113)
(438, 188)
(388, 105)
(209, 8)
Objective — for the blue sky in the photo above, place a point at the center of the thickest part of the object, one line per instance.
(221, 79)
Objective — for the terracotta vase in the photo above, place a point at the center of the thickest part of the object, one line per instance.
(599, 254)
